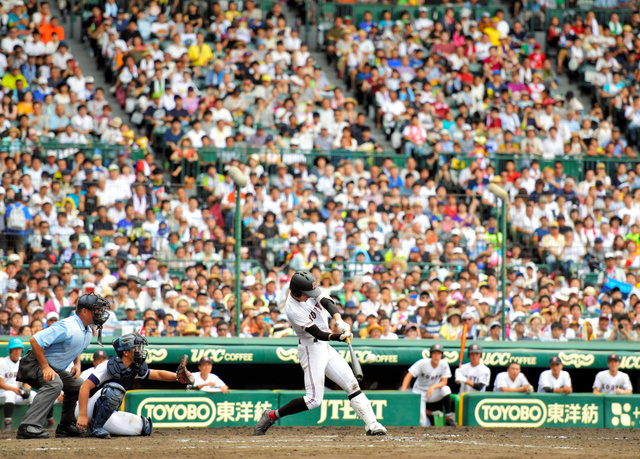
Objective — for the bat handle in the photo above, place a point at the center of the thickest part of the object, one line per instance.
(348, 340)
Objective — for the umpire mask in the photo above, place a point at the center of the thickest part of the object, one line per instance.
(99, 306)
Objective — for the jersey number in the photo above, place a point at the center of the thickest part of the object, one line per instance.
(312, 315)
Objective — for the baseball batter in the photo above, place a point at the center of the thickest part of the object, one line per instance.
(432, 376)
(475, 375)
(512, 380)
(309, 311)
(10, 390)
(555, 380)
(612, 381)
(102, 392)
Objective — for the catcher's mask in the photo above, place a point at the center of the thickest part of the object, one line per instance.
(130, 342)
(99, 306)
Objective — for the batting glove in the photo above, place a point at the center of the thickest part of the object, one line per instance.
(346, 335)
(343, 327)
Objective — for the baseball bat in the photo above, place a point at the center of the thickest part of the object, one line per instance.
(355, 365)
(464, 341)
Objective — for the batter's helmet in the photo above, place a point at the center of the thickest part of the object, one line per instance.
(436, 348)
(15, 343)
(304, 282)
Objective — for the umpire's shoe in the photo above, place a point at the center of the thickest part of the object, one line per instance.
(70, 430)
(263, 424)
(31, 433)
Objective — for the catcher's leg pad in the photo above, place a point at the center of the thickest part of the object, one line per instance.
(111, 396)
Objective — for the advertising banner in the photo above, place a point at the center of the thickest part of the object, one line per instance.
(622, 411)
(200, 409)
(574, 355)
(392, 408)
(536, 410)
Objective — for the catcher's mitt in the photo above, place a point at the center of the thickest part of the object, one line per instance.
(183, 375)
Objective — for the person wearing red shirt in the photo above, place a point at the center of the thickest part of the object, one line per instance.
(537, 58)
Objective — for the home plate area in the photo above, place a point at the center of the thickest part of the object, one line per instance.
(341, 442)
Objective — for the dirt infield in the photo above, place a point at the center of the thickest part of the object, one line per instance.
(337, 442)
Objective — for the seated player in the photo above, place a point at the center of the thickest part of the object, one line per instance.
(207, 381)
(512, 380)
(612, 381)
(102, 392)
(555, 380)
(11, 391)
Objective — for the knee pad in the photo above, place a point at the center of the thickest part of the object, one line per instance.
(111, 396)
(147, 427)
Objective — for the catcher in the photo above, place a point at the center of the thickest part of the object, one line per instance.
(102, 392)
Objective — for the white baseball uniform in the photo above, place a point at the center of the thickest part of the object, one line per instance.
(478, 374)
(318, 359)
(427, 376)
(219, 383)
(120, 422)
(8, 372)
(607, 384)
(503, 380)
(548, 380)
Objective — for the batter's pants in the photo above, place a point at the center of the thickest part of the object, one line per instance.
(318, 360)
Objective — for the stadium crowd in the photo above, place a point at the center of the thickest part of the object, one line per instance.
(407, 241)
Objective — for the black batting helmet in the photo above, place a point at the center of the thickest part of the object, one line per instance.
(304, 282)
(436, 348)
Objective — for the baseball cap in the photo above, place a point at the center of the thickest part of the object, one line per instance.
(475, 349)
(129, 306)
(613, 356)
(437, 348)
(205, 359)
(555, 361)
(99, 354)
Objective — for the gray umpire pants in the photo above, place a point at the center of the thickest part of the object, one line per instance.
(47, 394)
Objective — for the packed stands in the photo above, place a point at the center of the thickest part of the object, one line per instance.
(377, 181)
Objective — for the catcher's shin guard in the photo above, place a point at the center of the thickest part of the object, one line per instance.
(147, 427)
(111, 396)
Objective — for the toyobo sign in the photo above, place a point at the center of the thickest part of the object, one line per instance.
(535, 410)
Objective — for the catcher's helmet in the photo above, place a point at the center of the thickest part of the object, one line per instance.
(129, 342)
(304, 282)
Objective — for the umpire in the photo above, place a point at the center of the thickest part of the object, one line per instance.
(52, 351)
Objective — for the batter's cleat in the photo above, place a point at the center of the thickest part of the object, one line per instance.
(376, 429)
(70, 431)
(450, 422)
(50, 424)
(31, 433)
(99, 432)
(263, 424)
(7, 424)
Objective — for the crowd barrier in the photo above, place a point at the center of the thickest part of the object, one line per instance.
(489, 409)
(271, 351)
(177, 408)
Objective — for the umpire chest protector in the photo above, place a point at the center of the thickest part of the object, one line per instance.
(125, 375)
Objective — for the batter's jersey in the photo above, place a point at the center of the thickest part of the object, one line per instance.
(478, 374)
(503, 380)
(547, 380)
(305, 314)
(608, 384)
(426, 376)
(9, 370)
(219, 383)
